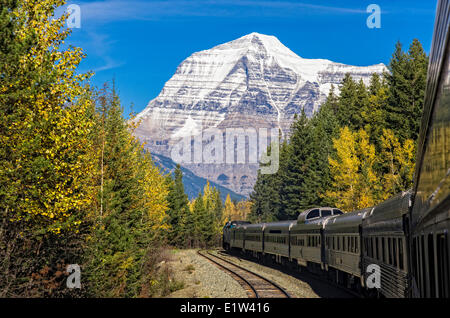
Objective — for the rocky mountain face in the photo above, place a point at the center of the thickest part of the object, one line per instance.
(252, 82)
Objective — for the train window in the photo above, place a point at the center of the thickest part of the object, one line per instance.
(357, 246)
(383, 250)
(318, 240)
(400, 253)
(365, 246)
(349, 247)
(326, 213)
(377, 253)
(443, 266)
(313, 214)
(343, 243)
(337, 212)
(394, 251)
(431, 276)
(334, 242)
(388, 251)
(423, 290)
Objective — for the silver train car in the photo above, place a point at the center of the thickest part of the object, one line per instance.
(343, 245)
(384, 238)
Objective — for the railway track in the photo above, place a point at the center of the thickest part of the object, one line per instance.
(255, 285)
(350, 292)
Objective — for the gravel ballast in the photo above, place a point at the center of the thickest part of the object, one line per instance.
(201, 278)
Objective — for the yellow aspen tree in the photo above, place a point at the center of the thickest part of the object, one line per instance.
(155, 194)
(230, 209)
(368, 186)
(398, 161)
(344, 171)
(50, 164)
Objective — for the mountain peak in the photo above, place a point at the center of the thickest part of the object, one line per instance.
(251, 82)
(256, 42)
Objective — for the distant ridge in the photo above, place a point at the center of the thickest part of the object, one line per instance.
(193, 184)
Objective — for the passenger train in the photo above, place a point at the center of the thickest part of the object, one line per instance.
(405, 238)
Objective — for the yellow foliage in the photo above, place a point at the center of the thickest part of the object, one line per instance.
(356, 183)
(50, 166)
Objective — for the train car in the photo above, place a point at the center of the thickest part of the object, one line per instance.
(254, 243)
(385, 244)
(237, 231)
(430, 214)
(306, 244)
(276, 240)
(226, 236)
(342, 237)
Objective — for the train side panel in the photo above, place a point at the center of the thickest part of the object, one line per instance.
(430, 216)
(385, 244)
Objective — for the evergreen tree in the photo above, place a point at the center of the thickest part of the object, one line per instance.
(324, 127)
(133, 199)
(374, 114)
(178, 209)
(265, 197)
(407, 81)
(347, 109)
(293, 178)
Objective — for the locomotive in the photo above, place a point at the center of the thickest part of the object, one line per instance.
(404, 240)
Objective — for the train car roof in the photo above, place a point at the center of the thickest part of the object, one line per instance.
(347, 222)
(237, 222)
(255, 226)
(281, 225)
(392, 208)
(315, 224)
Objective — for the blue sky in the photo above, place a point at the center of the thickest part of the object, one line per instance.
(141, 43)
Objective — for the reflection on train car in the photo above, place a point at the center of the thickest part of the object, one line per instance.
(430, 216)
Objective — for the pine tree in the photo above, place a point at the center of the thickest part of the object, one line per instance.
(293, 178)
(323, 127)
(347, 109)
(178, 209)
(374, 114)
(133, 195)
(407, 81)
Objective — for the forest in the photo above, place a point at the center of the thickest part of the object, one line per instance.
(76, 186)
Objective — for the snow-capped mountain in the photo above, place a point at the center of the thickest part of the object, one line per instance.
(253, 81)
